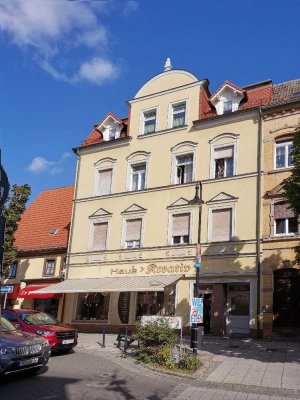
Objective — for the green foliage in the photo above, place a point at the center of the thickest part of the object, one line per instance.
(291, 185)
(13, 209)
(157, 341)
(156, 334)
(189, 361)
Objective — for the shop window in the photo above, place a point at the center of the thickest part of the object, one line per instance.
(49, 306)
(49, 268)
(92, 306)
(133, 233)
(285, 222)
(13, 270)
(240, 305)
(181, 229)
(149, 303)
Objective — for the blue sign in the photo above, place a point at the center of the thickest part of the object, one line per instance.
(196, 314)
(7, 289)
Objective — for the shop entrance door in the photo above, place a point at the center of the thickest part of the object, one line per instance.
(238, 317)
(286, 300)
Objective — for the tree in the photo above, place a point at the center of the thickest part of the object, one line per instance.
(291, 185)
(13, 209)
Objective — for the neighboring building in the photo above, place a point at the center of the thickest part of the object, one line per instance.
(134, 230)
(41, 240)
(280, 277)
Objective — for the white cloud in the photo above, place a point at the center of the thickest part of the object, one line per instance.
(130, 6)
(41, 165)
(55, 29)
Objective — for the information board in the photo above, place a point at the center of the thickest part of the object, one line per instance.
(196, 313)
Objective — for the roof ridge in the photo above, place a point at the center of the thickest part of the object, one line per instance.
(281, 83)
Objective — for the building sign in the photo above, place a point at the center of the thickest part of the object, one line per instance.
(152, 269)
(123, 307)
(196, 313)
(173, 322)
(6, 289)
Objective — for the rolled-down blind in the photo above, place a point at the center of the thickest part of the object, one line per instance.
(99, 236)
(281, 211)
(104, 183)
(221, 225)
(181, 225)
(133, 229)
(224, 152)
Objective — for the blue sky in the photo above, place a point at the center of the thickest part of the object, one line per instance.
(65, 64)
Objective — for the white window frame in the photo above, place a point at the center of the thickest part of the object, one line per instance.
(284, 144)
(176, 167)
(176, 152)
(170, 227)
(214, 145)
(137, 158)
(170, 113)
(139, 175)
(286, 233)
(124, 228)
(142, 120)
(97, 220)
(209, 221)
(102, 165)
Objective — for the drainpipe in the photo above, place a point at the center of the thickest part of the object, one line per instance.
(258, 218)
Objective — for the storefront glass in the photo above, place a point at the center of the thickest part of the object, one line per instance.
(156, 303)
(92, 306)
(49, 306)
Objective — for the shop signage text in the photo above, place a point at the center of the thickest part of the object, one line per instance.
(152, 269)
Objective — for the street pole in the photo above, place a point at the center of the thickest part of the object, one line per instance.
(197, 200)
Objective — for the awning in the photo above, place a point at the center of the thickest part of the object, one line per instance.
(30, 292)
(113, 284)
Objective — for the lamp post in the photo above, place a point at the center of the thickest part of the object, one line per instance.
(197, 201)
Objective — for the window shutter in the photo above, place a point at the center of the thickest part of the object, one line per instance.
(281, 211)
(133, 229)
(221, 225)
(181, 225)
(104, 183)
(99, 236)
(224, 152)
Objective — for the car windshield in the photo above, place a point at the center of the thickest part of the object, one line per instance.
(6, 326)
(38, 318)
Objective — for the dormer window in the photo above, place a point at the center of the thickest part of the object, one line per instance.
(110, 127)
(227, 99)
(227, 107)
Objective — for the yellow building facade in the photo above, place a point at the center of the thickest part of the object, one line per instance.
(134, 229)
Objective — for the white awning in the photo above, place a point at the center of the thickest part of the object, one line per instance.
(113, 284)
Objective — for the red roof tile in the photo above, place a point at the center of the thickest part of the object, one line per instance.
(51, 209)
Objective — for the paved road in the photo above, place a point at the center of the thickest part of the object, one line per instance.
(87, 374)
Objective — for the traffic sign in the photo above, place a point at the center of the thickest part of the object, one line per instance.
(7, 289)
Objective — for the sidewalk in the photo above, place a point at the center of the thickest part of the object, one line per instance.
(234, 364)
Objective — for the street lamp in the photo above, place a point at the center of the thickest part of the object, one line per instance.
(197, 201)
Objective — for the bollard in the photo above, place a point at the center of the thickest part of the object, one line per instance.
(103, 340)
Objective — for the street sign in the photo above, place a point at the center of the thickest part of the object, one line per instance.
(196, 313)
(7, 289)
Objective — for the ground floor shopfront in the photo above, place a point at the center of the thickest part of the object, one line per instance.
(121, 300)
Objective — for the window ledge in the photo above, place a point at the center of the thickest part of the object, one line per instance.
(145, 135)
(281, 237)
(277, 171)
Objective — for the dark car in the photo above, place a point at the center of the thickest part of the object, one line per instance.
(61, 337)
(21, 351)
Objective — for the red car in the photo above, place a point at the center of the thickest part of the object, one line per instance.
(61, 337)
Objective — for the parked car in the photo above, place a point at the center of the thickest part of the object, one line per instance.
(61, 337)
(21, 351)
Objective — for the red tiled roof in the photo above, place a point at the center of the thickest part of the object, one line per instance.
(258, 95)
(51, 209)
(95, 136)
